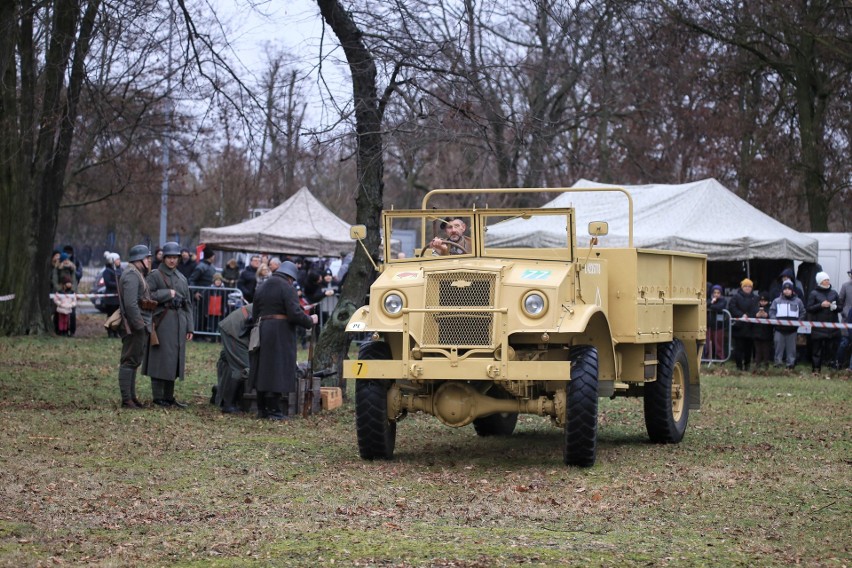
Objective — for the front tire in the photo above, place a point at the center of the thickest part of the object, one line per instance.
(376, 433)
(581, 422)
(666, 399)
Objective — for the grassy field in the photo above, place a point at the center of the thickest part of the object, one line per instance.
(762, 478)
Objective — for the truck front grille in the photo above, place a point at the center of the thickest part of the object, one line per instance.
(459, 328)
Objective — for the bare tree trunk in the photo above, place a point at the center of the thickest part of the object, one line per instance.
(333, 342)
(34, 181)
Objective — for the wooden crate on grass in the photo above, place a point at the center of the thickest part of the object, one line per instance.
(332, 397)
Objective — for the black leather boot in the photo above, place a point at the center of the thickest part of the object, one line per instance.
(273, 405)
(169, 395)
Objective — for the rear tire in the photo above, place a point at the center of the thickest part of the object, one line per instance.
(376, 433)
(667, 398)
(499, 424)
(581, 422)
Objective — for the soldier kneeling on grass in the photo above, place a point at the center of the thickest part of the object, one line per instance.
(232, 368)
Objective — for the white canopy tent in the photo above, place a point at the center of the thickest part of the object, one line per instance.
(702, 217)
(302, 225)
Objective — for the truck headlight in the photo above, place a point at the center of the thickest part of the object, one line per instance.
(393, 303)
(534, 304)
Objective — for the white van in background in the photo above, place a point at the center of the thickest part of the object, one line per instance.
(835, 255)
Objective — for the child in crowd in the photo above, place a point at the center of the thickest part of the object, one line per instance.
(762, 334)
(66, 302)
(716, 304)
(787, 306)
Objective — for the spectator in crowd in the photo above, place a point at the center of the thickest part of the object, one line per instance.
(844, 307)
(330, 290)
(173, 325)
(202, 277)
(261, 276)
(303, 273)
(111, 274)
(716, 304)
(216, 301)
(787, 306)
(248, 278)
(158, 258)
(78, 266)
(65, 269)
(202, 274)
(54, 284)
(822, 306)
(743, 303)
(231, 274)
(233, 367)
(301, 332)
(66, 303)
(762, 334)
(313, 288)
(785, 276)
(274, 263)
(186, 264)
(136, 309)
(345, 263)
(273, 364)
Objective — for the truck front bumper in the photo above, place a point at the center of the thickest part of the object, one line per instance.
(471, 369)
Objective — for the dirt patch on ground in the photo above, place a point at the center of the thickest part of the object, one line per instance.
(91, 325)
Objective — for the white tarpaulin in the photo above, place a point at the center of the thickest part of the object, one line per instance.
(301, 225)
(703, 217)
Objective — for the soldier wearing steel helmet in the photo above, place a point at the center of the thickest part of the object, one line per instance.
(136, 308)
(173, 322)
(273, 363)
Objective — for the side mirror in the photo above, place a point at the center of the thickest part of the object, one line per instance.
(357, 232)
(598, 228)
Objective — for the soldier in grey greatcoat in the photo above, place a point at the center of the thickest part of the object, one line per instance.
(135, 305)
(233, 366)
(173, 326)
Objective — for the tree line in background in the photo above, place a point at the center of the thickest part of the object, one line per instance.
(467, 94)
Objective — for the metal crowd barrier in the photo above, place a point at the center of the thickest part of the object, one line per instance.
(717, 349)
(211, 304)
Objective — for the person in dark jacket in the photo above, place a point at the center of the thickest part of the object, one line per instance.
(716, 304)
(202, 277)
(785, 276)
(822, 306)
(230, 274)
(248, 279)
(111, 274)
(273, 363)
(186, 265)
(743, 303)
(762, 334)
(174, 325)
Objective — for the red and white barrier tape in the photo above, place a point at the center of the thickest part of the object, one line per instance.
(91, 295)
(795, 323)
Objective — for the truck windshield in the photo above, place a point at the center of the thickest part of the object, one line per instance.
(512, 233)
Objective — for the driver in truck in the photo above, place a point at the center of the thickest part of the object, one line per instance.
(456, 242)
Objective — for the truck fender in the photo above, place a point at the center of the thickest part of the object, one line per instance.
(589, 326)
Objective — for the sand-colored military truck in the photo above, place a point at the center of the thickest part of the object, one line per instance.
(513, 317)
